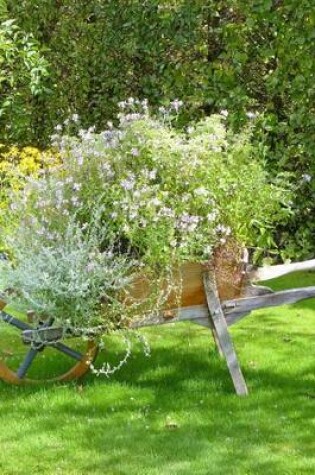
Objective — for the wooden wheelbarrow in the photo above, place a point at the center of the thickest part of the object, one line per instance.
(211, 298)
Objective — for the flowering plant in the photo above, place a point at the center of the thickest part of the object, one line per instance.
(16, 164)
(161, 196)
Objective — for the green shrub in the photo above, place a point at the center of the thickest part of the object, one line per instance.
(215, 55)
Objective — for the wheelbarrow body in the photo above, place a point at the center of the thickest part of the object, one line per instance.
(215, 295)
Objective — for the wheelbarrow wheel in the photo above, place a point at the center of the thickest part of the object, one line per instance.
(21, 363)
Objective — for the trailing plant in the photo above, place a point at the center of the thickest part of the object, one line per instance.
(141, 197)
(166, 195)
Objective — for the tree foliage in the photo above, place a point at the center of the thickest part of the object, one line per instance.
(22, 73)
(213, 54)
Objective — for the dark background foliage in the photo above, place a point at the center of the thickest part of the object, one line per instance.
(236, 55)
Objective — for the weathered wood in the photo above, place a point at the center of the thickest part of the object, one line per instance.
(251, 290)
(240, 306)
(234, 310)
(188, 280)
(229, 263)
(216, 338)
(81, 366)
(271, 272)
(77, 371)
(195, 313)
(2, 304)
(198, 314)
(217, 316)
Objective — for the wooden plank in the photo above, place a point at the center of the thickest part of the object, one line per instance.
(217, 315)
(271, 272)
(188, 280)
(251, 290)
(2, 304)
(198, 314)
(240, 306)
(216, 338)
(234, 310)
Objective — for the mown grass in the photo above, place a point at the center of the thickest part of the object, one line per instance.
(176, 412)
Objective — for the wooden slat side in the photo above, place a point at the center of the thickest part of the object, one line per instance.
(188, 280)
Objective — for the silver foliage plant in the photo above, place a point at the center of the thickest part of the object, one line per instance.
(70, 277)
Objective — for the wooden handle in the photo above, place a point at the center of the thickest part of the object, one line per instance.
(271, 272)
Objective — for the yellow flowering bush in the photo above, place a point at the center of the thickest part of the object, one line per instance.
(16, 164)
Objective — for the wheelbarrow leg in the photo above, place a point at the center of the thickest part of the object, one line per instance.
(221, 333)
(216, 338)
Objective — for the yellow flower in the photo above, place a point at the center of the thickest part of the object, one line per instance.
(17, 164)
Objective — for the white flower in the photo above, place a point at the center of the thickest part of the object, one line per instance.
(152, 175)
(128, 183)
(135, 152)
(211, 216)
(167, 212)
(176, 104)
(251, 115)
(216, 148)
(307, 178)
(207, 250)
(224, 113)
(223, 229)
(155, 202)
(201, 191)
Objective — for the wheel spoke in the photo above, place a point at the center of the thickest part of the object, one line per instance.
(75, 358)
(15, 322)
(21, 372)
(68, 351)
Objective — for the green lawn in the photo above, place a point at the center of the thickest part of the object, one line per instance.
(175, 413)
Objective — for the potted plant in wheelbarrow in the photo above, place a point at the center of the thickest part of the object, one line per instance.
(122, 232)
